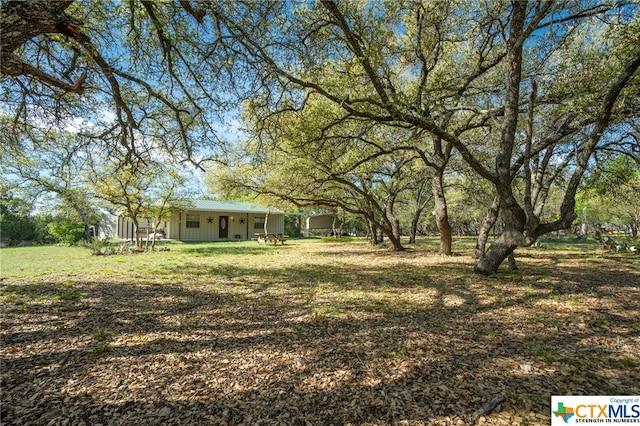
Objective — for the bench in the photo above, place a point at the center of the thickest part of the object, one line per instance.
(274, 237)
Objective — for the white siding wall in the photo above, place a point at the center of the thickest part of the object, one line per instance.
(108, 227)
(324, 221)
(208, 231)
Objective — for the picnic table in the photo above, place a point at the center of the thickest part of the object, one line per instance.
(275, 237)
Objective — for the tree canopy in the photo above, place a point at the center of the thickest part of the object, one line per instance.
(117, 73)
(341, 99)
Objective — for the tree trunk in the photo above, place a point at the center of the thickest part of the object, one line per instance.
(373, 232)
(146, 243)
(441, 214)
(584, 227)
(136, 237)
(421, 200)
(395, 241)
(489, 220)
(334, 231)
(499, 250)
(512, 215)
(512, 236)
(155, 229)
(395, 228)
(413, 230)
(394, 223)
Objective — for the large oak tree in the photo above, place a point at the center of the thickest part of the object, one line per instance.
(572, 65)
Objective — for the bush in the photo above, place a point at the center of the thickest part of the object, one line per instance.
(99, 247)
(67, 231)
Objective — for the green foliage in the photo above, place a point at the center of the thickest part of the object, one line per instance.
(17, 225)
(292, 225)
(67, 231)
(609, 194)
(101, 349)
(67, 295)
(612, 174)
(41, 223)
(99, 247)
(101, 335)
(15, 228)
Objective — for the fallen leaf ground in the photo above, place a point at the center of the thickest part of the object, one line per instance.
(310, 333)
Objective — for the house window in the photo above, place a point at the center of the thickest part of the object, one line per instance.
(258, 223)
(193, 220)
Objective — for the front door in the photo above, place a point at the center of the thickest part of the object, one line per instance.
(223, 229)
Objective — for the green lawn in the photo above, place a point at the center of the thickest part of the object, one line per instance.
(312, 332)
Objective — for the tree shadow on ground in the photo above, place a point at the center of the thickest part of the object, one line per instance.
(315, 344)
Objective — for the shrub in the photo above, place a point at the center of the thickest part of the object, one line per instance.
(67, 231)
(99, 247)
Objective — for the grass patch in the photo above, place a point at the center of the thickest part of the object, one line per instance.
(549, 322)
(67, 295)
(574, 301)
(12, 297)
(101, 349)
(101, 335)
(327, 319)
(535, 338)
(400, 351)
(598, 322)
(540, 351)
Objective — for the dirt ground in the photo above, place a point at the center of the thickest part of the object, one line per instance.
(341, 334)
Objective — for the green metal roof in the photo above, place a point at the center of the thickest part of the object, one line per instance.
(230, 206)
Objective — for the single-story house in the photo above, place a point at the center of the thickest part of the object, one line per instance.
(210, 220)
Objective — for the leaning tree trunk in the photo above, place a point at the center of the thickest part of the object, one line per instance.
(514, 219)
(483, 236)
(379, 230)
(395, 242)
(499, 250)
(441, 214)
(394, 234)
